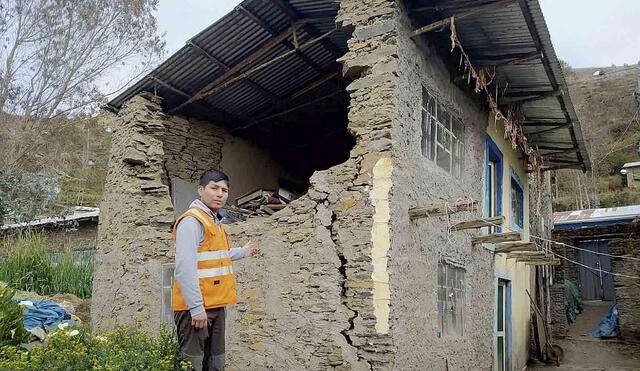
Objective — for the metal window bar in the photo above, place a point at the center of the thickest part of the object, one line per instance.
(439, 129)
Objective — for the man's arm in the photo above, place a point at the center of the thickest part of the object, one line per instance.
(189, 236)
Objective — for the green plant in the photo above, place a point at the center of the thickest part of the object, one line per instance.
(27, 266)
(12, 331)
(125, 348)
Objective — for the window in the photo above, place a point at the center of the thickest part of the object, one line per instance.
(517, 202)
(451, 288)
(442, 135)
(493, 187)
(503, 320)
(167, 287)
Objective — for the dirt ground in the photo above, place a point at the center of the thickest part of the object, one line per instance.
(586, 353)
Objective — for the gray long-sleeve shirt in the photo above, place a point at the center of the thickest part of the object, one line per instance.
(189, 236)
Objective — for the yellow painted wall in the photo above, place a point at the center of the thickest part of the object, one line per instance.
(518, 273)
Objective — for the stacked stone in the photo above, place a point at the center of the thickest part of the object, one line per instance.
(627, 289)
(136, 215)
(191, 147)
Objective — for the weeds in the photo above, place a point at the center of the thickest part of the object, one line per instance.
(27, 267)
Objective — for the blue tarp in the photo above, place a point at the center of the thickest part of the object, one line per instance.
(44, 314)
(608, 326)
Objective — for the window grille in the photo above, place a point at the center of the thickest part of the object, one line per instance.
(451, 297)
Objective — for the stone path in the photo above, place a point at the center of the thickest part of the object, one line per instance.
(590, 354)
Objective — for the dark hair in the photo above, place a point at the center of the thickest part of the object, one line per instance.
(213, 175)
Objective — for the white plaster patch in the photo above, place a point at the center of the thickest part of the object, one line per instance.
(381, 242)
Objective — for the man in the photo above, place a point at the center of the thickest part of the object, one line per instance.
(204, 281)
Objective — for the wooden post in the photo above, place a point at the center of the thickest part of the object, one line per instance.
(478, 223)
(497, 238)
(515, 246)
(419, 212)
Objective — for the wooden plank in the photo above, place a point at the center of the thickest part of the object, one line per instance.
(551, 129)
(441, 209)
(540, 263)
(530, 98)
(478, 223)
(515, 246)
(498, 237)
(469, 13)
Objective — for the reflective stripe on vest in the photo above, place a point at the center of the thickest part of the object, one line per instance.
(214, 272)
(211, 255)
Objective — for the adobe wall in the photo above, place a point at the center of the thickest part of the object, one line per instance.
(418, 246)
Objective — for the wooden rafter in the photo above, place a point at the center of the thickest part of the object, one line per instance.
(286, 43)
(437, 8)
(272, 43)
(559, 127)
(469, 13)
(521, 98)
(294, 16)
(247, 81)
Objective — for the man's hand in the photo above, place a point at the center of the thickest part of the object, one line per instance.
(200, 320)
(252, 248)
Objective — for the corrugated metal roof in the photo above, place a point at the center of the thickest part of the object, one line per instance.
(515, 28)
(233, 38)
(631, 164)
(80, 213)
(596, 215)
(506, 31)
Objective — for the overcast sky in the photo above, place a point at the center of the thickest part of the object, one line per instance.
(585, 33)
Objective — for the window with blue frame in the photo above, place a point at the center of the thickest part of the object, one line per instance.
(493, 178)
(517, 201)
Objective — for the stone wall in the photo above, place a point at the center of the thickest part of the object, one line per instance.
(191, 147)
(418, 246)
(624, 240)
(136, 215)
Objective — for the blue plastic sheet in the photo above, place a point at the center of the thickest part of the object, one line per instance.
(608, 326)
(44, 314)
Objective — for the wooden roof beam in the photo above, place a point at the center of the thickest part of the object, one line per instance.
(473, 11)
(275, 41)
(559, 127)
(528, 97)
(310, 29)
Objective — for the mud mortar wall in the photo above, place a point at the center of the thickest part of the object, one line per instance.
(417, 246)
(136, 215)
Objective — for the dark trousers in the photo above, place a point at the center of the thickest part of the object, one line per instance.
(204, 348)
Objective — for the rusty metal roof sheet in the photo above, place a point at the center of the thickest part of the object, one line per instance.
(596, 215)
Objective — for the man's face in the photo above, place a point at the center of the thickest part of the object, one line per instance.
(214, 194)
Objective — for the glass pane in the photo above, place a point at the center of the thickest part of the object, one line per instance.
(432, 138)
(432, 106)
(451, 276)
(443, 159)
(441, 274)
(500, 308)
(500, 353)
(443, 117)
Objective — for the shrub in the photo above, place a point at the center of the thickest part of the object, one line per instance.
(125, 348)
(12, 331)
(27, 266)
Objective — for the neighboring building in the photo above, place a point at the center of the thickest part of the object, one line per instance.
(601, 242)
(77, 230)
(632, 171)
(376, 125)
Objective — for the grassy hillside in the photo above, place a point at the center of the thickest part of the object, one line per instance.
(608, 112)
(68, 155)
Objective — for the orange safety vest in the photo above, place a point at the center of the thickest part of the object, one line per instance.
(215, 275)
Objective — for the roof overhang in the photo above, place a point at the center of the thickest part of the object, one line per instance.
(513, 36)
